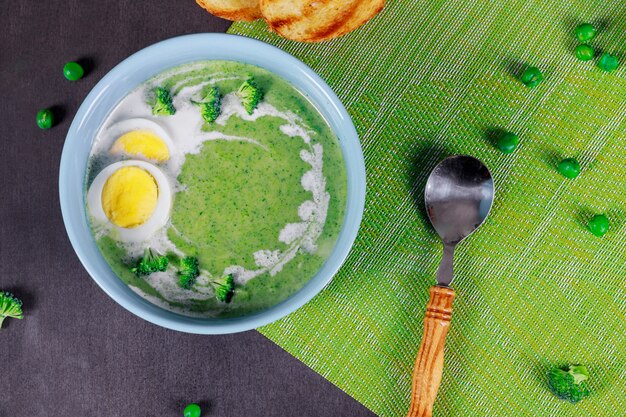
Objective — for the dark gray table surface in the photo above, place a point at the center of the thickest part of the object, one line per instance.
(77, 353)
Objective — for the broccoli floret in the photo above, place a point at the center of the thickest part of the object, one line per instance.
(250, 95)
(210, 105)
(188, 271)
(224, 288)
(163, 105)
(568, 382)
(152, 261)
(10, 306)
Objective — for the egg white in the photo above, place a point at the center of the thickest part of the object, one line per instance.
(118, 129)
(159, 217)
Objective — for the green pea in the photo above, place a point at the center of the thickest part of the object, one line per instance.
(585, 32)
(531, 77)
(608, 62)
(569, 168)
(584, 52)
(598, 225)
(73, 71)
(45, 119)
(192, 410)
(507, 142)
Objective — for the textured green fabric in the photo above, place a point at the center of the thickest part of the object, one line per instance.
(427, 79)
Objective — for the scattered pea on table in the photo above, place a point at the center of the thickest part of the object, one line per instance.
(45, 119)
(584, 52)
(507, 142)
(569, 168)
(73, 71)
(599, 225)
(585, 32)
(531, 77)
(608, 62)
(192, 410)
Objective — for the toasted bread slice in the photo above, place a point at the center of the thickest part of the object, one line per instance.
(318, 20)
(232, 9)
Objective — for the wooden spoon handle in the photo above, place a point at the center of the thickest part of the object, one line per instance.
(429, 362)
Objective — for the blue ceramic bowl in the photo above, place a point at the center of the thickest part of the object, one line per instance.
(134, 71)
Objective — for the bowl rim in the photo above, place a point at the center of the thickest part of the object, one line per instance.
(139, 67)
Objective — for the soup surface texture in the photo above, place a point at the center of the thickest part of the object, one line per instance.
(256, 196)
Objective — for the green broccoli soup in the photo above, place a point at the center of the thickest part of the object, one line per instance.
(215, 189)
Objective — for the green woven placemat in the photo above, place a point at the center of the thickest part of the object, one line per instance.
(427, 79)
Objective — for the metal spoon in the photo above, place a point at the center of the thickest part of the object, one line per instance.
(458, 196)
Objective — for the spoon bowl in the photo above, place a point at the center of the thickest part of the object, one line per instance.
(458, 196)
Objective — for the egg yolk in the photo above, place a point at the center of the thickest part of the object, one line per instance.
(129, 197)
(142, 142)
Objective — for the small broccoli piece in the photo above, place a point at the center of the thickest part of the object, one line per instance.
(250, 95)
(188, 271)
(224, 288)
(10, 306)
(568, 382)
(152, 261)
(210, 105)
(163, 105)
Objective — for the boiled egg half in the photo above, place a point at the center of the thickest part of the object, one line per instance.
(133, 198)
(142, 139)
